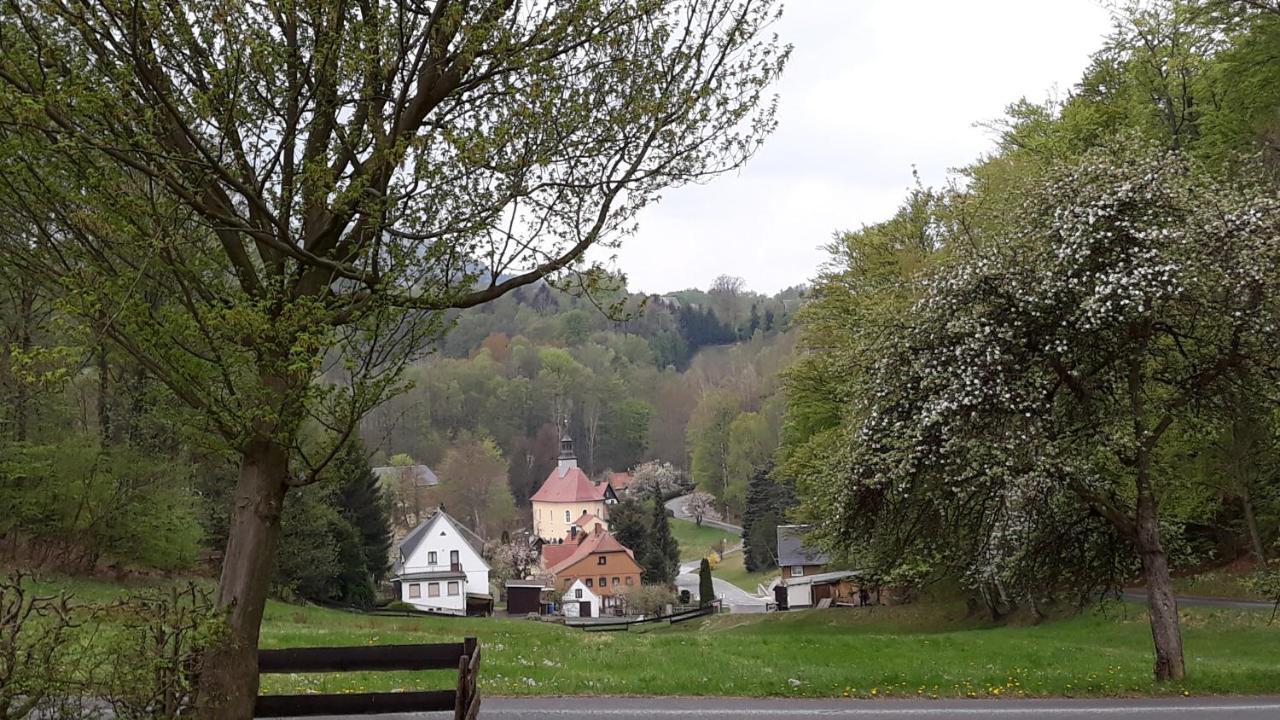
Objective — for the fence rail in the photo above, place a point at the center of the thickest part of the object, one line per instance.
(673, 618)
(464, 700)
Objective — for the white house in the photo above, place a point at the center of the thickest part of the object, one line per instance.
(579, 601)
(439, 568)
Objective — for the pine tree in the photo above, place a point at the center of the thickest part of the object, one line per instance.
(766, 504)
(664, 553)
(706, 589)
(363, 504)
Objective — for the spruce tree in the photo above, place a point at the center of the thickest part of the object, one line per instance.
(706, 589)
(663, 561)
(766, 505)
(363, 504)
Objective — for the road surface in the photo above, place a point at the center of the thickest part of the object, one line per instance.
(1260, 708)
(734, 597)
(676, 506)
(1140, 596)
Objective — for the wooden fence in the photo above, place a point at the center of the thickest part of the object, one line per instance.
(673, 618)
(464, 700)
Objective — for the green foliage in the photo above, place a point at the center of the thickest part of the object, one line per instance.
(767, 502)
(473, 486)
(335, 537)
(662, 562)
(38, 652)
(77, 505)
(706, 589)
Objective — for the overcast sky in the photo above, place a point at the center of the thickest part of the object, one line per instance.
(874, 87)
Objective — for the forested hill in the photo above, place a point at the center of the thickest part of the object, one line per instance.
(630, 384)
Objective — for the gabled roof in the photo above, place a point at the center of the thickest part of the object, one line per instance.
(586, 520)
(596, 542)
(792, 549)
(418, 534)
(553, 553)
(621, 480)
(421, 475)
(568, 484)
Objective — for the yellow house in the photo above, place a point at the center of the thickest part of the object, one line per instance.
(567, 496)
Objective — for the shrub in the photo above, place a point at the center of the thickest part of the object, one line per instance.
(650, 599)
(37, 653)
(156, 642)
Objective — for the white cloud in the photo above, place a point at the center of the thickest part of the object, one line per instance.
(874, 88)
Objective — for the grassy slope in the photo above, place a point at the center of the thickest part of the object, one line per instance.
(732, 570)
(902, 651)
(695, 542)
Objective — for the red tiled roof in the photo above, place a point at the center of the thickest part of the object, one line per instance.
(553, 553)
(621, 480)
(596, 542)
(585, 521)
(572, 485)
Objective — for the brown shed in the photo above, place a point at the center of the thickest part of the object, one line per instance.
(524, 597)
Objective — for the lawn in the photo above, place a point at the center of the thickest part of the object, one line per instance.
(732, 570)
(900, 651)
(913, 650)
(695, 542)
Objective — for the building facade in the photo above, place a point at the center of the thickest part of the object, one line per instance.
(567, 496)
(440, 568)
(602, 564)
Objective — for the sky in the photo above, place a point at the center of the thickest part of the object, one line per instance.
(874, 88)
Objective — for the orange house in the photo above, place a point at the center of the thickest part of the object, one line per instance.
(603, 564)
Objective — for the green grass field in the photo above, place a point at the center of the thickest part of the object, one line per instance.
(695, 542)
(914, 650)
(732, 570)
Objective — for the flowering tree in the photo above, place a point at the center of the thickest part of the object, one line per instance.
(515, 559)
(700, 505)
(654, 478)
(1020, 413)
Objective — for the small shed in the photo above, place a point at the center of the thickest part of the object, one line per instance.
(524, 597)
(838, 586)
(580, 602)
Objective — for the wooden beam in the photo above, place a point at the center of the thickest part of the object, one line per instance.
(367, 657)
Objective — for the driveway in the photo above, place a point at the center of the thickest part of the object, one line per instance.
(733, 597)
(1260, 708)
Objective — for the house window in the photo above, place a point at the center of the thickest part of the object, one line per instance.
(567, 583)
(615, 582)
(604, 582)
(587, 582)
(453, 558)
(415, 590)
(631, 580)
(602, 559)
(797, 571)
(453, 588)
(433, 589)
(577, 593)
(566, 516)
(431, 558)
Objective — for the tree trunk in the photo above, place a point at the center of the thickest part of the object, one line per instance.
(1251, 523)
(1162, 606)
(229, 681)
(104, 395)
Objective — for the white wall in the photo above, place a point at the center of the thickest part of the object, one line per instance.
(445, 603)
(800, 595)
(570, 600)
(442, 537)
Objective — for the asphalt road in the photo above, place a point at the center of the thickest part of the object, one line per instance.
(1262, 708)
(676, 506)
